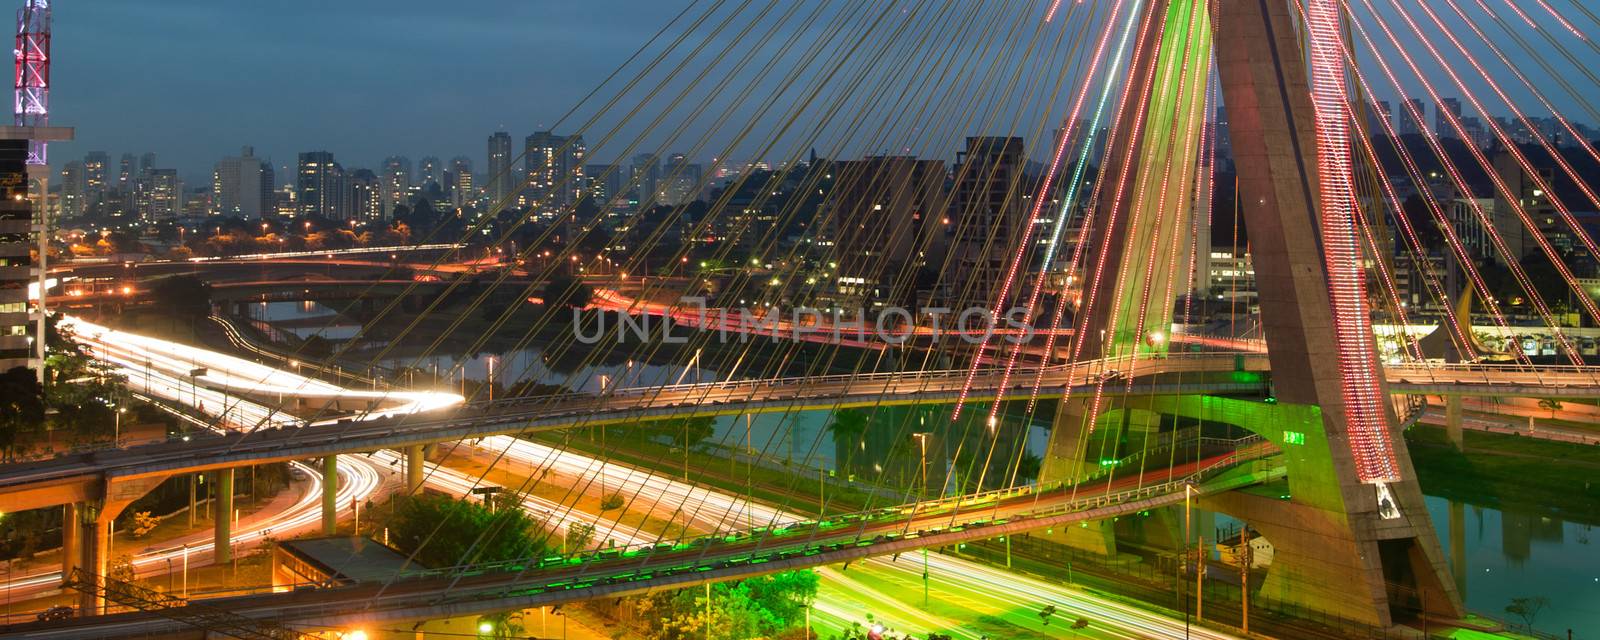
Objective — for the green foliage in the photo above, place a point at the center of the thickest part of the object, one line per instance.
(685, 432)
(1551, 404)
(847, 429)
(758, 607)
(21, 409)
(579, 535)
(567, 292)
(441, 531)
(612, 501)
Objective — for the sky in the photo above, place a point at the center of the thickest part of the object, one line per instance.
(194, 80)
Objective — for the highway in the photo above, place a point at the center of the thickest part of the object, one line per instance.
(704, 510)
(712, 511)
(616, 573)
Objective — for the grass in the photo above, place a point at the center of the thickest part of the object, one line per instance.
(1510, 473)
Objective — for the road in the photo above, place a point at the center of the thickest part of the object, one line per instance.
(846, 595)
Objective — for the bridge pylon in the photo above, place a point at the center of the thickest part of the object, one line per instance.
(1354, 538)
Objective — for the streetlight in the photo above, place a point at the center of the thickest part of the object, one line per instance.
(116, 434)
(922, 446)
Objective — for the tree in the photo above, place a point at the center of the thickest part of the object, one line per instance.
(848, 426)
(441, 531)
(1046, 613)
(567, 292)
(579, 535)
(612, 501)
(21, 408)
(1552, 404)
(1527, 608)
(764, 606)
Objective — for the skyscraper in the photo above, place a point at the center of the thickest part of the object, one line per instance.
(430, 170)
(680, 182)
(94, 183)
(318, 187)
(72, 190)
(366, 197)
(241, 186)
(160, 195)
(1413, 119)
(500, 180)
(461, 184)
(127, 172)
(644, 174)
(554, 166)
(988, 210)
(1443, 111)
(395, 182)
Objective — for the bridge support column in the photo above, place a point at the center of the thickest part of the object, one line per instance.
(1452, 421)
(330, 492)
(222, 525)
(414, 463)
(94, 555)
(71, 529)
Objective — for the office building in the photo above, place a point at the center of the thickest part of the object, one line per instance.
(319, 186)
(500, 182)
(242, 186)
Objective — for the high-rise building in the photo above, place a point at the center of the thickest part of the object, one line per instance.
(241, 186)
(366, 196)
(461, 184)
(884, 214)
(430, 171)
(554, 166)
(127, 172)
(147, 162)
(680, 182)
(72, 190)
(1414, 118)
(395, 182)
(94, 183)
(643, 175)
(987, 211)
(319, 186)
(22, 212)
(1442, 112)
(160, 195)
(500, 181)
(605, 181)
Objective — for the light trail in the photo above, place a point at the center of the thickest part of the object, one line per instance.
(713, 510)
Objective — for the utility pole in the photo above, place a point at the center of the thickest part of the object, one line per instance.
(1244, 577)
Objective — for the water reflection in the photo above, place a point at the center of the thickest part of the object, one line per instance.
(1497, 556)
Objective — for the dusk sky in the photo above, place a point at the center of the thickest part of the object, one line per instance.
(193, 80)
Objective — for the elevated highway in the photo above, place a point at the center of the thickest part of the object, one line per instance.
(64, 479)
(475, 590)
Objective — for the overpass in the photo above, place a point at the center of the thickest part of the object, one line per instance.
(473, 590)
(66, 479)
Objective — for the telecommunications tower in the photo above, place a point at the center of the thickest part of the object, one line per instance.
(33, 72)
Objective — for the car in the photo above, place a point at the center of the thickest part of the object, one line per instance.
(56, 613)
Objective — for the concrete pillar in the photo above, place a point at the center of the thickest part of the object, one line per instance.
(94, 547)
(1452, 421)
(414, 460)
(222, 525)
(330, 491)
(71, 527)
